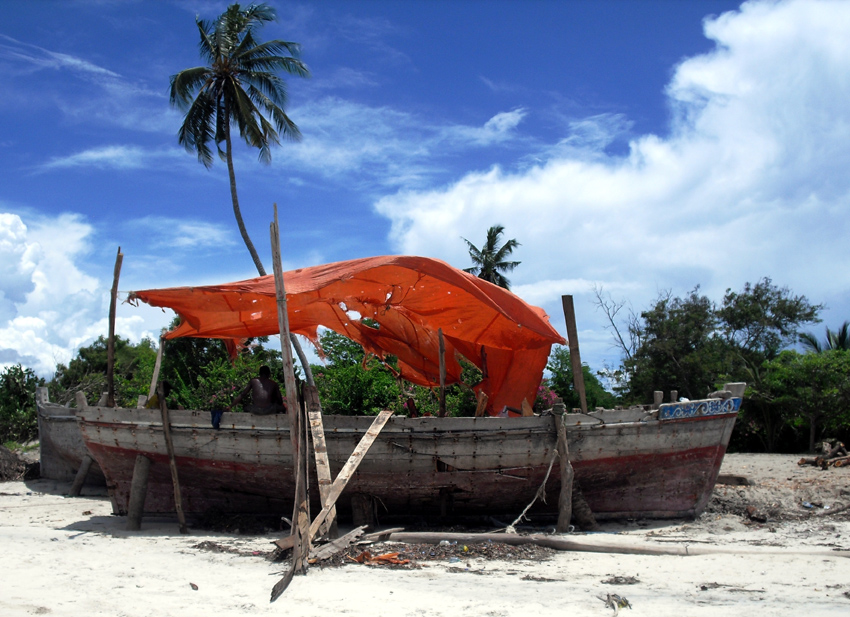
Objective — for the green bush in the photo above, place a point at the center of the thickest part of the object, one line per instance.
(18, 414)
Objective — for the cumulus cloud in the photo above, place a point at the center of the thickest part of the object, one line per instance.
(750, 181)
(49, 306)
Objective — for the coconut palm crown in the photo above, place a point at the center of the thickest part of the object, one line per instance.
(840, 339)
(490, 261)
(239, 87)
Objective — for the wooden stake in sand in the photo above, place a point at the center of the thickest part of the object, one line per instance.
(110, 345)
(565, 498)
(333, 494)
(323, 469)
(172, 461)
(300, 520)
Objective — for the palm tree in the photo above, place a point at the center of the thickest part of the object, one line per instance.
(239, 87)
(840, 339)
(490, 260)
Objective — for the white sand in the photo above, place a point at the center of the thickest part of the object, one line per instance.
(70, 556)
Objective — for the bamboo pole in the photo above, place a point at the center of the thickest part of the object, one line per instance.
(110, 346)
(172, 460)
(575, 357)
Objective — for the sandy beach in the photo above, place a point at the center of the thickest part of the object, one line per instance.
(778, 547)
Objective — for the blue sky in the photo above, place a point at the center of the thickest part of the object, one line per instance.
(632, 147)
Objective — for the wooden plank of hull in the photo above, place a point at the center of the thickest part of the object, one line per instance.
(61, 445)
(475, 465)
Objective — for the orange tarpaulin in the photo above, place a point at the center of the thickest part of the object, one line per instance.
(409, 298)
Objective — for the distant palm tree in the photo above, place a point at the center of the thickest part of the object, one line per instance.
(238, 87)
(490, 261)
(840, 339)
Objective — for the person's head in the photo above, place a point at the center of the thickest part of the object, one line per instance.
(265, 372)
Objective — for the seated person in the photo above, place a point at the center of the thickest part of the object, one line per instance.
(265, 395)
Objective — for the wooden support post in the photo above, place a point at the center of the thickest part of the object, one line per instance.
(299, 556)
(156, 367)
(80, 478)
(575, 356)
(80, 398)
(565, 498)
(351, 466)
(172, 461)
(300, 519)
(657, 399)
(286, 357)
(674, 396)
(138, 492)
(323, 468)
(442, 411)
(110, 346)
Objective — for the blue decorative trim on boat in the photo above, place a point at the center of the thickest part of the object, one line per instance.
(697, 409)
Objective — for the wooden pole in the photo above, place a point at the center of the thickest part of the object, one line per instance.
(323, 468)
(575, 357)
(172, 461)
(300, 519)
(80, 478)
(350, 467)
(565, 498)
(138, 492)
(286, 357)
(156, 367)
(442, 411)
(110, 346)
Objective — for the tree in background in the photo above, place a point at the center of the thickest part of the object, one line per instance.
(679, 348)
(840, 339)
(692, 345)
(561, 382)
(18, 416)
(239, 87)
(87, 372)
(813, 389)
(761, 320)
(490, 262)
(353, 384)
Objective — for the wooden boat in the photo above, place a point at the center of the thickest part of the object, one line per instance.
(635, 462)
(644, 462)
(61, 446)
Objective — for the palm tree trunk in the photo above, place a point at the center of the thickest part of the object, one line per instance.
(296, 344)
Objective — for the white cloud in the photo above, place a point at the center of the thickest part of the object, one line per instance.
(49, 306)
(108, 98)
(750, 182)
(106, 157)
(382, 146)
(184, 234)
